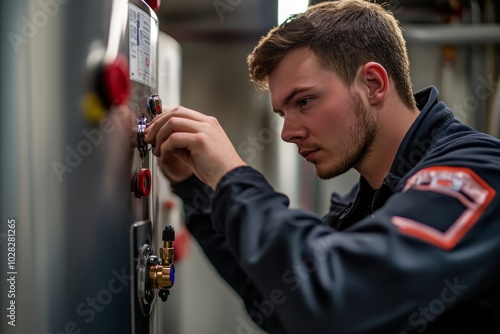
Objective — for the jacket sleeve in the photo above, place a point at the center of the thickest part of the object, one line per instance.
(196, 198)
(375, 277)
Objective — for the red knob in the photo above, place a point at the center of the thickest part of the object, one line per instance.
(117, 81)
(143, 182)
(154, 4)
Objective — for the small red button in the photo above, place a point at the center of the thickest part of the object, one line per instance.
(154, 4)
(117, 84)
(155, 107)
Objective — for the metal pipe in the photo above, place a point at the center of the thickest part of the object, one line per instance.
(477, 69)
(452, 34)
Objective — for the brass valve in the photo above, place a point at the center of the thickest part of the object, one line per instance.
(161, 271)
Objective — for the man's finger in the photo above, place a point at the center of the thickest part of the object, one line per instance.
(158, 122)
(174, 124)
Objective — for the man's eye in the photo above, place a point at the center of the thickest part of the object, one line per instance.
(303, 102)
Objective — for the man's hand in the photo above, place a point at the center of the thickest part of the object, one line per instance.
(187, 142)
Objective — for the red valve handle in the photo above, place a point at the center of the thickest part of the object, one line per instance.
(116, 81)
(143, 182)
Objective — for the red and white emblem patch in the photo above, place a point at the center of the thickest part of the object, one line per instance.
(460, 183)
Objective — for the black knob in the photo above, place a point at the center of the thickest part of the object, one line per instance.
(168, 233)
(163, 294)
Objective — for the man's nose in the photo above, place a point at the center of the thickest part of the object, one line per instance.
(293, 131)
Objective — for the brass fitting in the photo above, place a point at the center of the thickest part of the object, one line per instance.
(167, 253)
(160, 276)
(161, 271)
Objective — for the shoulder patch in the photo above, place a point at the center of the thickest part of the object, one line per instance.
(464, 185)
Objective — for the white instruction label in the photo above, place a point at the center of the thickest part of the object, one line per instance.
(143, 32)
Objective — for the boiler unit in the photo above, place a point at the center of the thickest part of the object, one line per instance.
(82, 250)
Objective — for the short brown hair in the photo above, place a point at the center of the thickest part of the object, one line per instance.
(343, 35)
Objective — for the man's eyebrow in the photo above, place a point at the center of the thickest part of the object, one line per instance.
(290, 96)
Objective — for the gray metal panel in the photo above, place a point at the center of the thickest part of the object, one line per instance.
(65, 180)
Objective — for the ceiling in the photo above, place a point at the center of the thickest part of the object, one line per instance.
(217, 20)
(237, 20)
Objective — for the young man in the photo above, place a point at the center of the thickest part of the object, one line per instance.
(414, 247)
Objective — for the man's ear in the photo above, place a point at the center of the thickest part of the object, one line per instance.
(375, 82)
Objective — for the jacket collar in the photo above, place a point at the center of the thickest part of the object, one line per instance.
(422, 135)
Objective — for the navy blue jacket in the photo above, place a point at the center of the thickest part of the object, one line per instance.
(421, 254)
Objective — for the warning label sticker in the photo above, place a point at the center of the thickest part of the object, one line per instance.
(143, 34)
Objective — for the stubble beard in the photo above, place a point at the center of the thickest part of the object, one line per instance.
(358, 146)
